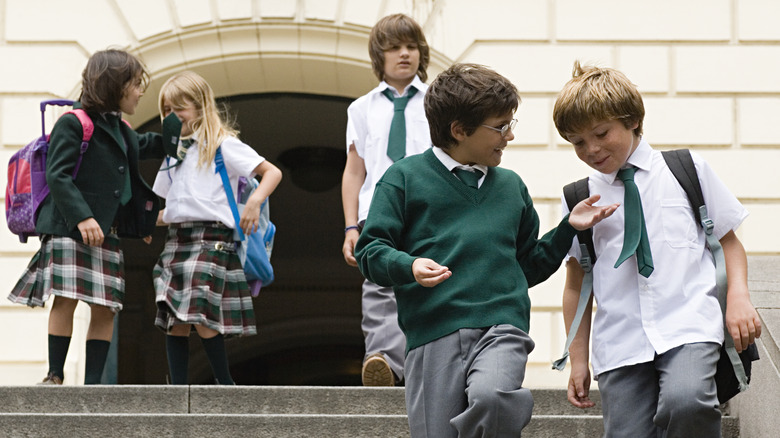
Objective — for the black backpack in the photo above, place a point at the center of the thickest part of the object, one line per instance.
(681, 164)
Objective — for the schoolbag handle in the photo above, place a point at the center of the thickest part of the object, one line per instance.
(44, 104)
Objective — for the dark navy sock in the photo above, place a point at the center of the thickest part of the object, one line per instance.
(215, 351)
(58, 351)
(178, 349)
(96, 353)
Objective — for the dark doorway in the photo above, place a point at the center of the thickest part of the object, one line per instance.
(309, 318)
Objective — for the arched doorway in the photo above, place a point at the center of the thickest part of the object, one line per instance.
(309, 319)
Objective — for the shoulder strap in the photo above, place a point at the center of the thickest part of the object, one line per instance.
(220, 164)
(681, 164)
(87, 129)
(573, 193)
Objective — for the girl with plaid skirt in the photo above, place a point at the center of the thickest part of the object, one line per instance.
(81, 220)
(199, 281)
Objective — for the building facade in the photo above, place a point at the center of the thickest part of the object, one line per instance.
(708, 71)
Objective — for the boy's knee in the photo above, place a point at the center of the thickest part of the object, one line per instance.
(518, 402)
(505, 413)
(685, 405)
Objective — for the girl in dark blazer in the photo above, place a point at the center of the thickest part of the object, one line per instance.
(81, 221)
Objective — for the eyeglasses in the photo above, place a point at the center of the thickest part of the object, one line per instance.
(504, 129)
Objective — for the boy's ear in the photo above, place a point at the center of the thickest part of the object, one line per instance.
(457, 131)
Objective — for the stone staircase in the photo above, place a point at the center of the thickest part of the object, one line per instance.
(251, 411)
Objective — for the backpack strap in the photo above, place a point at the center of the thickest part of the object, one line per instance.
(681, 164)
(87, 129)
(573, 193)
(220, 164)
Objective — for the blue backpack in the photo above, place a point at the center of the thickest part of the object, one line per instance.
(254, 250)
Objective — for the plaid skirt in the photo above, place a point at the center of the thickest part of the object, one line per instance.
(68, 268)
(196, 283)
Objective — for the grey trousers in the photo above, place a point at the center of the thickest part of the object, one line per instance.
(469, 384)
(674, 396)
(380, 326)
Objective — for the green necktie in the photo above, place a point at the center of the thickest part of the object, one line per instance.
(127, 192)
(469, 178)
(181, 150)
(635, 239)
(396, 142)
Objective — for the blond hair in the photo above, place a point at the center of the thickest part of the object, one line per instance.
(211, 126)
(597, 94)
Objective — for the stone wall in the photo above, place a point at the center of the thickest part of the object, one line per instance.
(707, 69)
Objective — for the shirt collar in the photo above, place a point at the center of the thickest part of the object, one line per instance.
(641, 158)
(416, 83)
(450, 163)
(107, 114)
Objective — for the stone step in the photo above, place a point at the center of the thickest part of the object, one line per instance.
(238, 400)
(272, 426)
(256, 411)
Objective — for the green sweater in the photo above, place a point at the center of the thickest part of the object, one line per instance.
(488, 239)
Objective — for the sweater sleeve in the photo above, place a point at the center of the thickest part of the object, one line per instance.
(378, 250)
(540, 258)
(150, 146)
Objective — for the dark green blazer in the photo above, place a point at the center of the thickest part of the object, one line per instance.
(97, 189)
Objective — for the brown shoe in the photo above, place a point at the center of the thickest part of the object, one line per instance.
(377, 372)
(51, 379)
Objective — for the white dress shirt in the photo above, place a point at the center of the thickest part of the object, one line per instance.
(368, 128)
(640, 317)
(196, 194)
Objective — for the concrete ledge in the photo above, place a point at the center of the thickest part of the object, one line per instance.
(108, 399)
(202, 426)
(757, 407)
(296, 400)
(272, 426)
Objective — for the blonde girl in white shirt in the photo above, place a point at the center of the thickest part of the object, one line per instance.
(198, 282)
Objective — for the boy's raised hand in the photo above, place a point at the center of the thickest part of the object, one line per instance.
(429, 273)
(585, 214)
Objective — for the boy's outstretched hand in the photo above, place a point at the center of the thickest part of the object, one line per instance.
(585, 214)
(429, 273)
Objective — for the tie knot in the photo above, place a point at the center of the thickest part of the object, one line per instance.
(468, 177)
(399, 103)
(626, 174)
(181, 151)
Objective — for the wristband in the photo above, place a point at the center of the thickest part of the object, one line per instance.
(351, 227)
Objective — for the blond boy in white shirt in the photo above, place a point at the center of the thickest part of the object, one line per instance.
(657, 336)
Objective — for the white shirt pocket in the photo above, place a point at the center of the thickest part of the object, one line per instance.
(679, 224)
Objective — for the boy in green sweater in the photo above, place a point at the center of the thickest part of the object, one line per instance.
(460, 256)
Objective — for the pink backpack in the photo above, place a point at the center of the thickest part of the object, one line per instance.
(27, 187)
